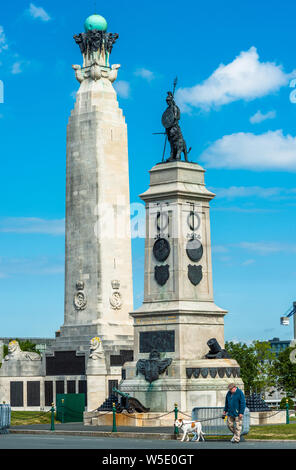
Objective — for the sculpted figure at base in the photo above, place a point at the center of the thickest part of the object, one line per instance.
(16, 354)
(96, 349)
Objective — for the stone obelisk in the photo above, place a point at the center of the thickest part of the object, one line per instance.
(98, 266)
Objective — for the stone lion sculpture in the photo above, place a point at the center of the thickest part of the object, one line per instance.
(96, 349)
(16, 354)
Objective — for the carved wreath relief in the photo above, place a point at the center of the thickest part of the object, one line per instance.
(80, 297)
(115, 298)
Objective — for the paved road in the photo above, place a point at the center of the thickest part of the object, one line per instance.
(25, 441)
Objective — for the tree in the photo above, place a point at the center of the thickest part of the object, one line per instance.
(284, 372)
(246, 357)
(265, 358)
(256, 364)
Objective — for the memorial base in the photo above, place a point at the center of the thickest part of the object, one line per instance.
(189, 384)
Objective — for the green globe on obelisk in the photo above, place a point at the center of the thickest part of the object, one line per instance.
(95, 22)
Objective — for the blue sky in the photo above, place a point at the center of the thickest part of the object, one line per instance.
(234, 62)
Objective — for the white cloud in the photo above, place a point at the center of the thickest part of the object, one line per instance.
(269, 151)
(219, 249)
(248, 262)
(145, 73)
(31, 266)
(122, 88)
(38, 13)
(3, 42)
(260, 117)
(245, 78)
(254, 191)
(32, 225)
(17, 68)
(266, 248)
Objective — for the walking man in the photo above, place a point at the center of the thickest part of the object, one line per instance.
(235, 405)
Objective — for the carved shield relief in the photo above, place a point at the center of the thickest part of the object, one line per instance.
(204, 372)
(189, 372)
(194, 274)
(196, 372)
(161, 274)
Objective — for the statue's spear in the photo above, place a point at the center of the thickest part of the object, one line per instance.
(164, 133)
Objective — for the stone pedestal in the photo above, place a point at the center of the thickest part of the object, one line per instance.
(178, 315)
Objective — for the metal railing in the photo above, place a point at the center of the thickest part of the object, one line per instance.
(214, 425)
(5, 418)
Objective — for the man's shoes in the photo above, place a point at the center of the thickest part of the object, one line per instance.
(235, 442)
(232, 439)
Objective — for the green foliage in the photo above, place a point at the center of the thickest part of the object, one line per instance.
(245, 356)
(255, 363)
(265, 358)
(285, 372)
(283, 403)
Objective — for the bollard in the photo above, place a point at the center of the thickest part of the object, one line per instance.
(287, 412)
(52, 417)
(114, 418)
(176, 430)
(63, 411)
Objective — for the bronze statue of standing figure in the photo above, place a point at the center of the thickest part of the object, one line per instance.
(170, 121)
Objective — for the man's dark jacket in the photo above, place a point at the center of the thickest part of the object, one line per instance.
(235, 403)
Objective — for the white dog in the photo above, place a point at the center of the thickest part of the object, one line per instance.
(190, 427)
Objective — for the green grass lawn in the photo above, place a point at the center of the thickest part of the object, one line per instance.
(30, 417)
(276, 431)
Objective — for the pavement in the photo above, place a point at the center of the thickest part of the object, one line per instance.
(78, 429)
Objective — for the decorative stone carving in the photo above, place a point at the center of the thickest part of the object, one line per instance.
(152, 367)
(96, 47)
(16, 354)
(96, 349)
(96, 72)
(115, 298)
(80, 300)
